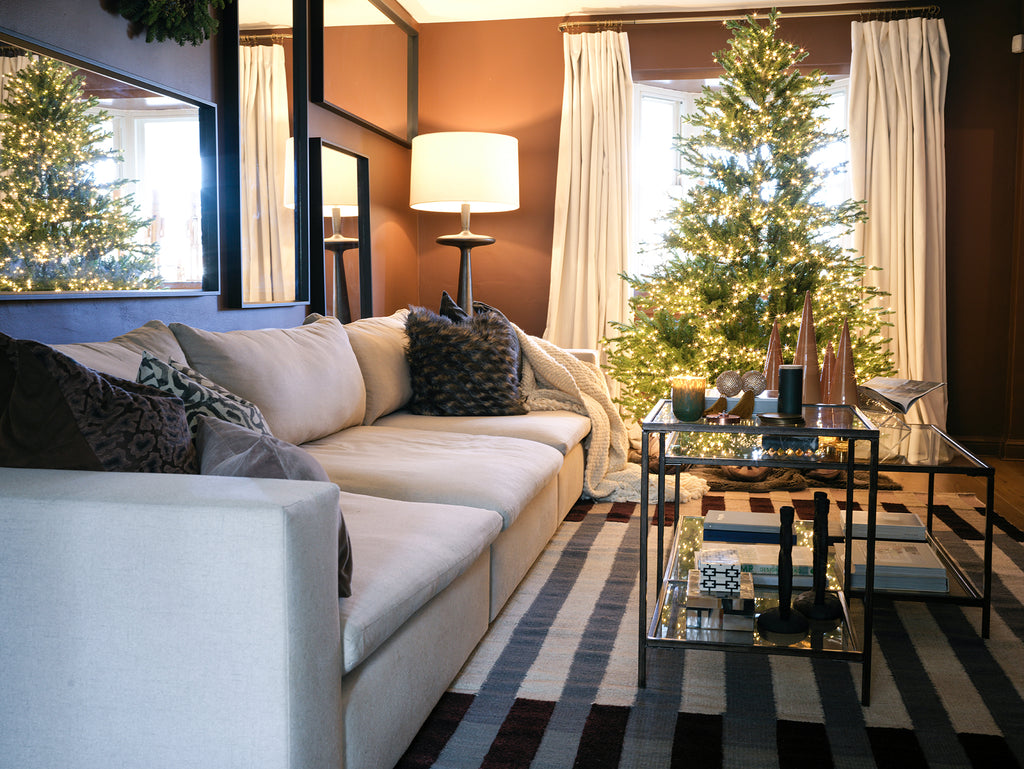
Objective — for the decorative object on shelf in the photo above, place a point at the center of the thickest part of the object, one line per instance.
(718, 407)
(828, 365)
(754, 382)
(729, 383)
(818, 603)
(721, 418)
(844, 383)
(781, 620)
(790, 404)
(744, 408)
(806, 354)
(464, 171)
(184, 21)
(688, 397)
(719, 572)
(773, 359)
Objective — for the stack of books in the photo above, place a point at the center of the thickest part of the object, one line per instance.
(762, 562)
(741, 526)
(900, 526)
(903, 566)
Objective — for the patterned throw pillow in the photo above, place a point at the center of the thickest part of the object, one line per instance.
(201, 395)
(57, 414)
(233, 450)
(462, 369)
(451, 310)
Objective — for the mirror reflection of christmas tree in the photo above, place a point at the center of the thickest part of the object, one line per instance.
(752, 236)
(60, 228)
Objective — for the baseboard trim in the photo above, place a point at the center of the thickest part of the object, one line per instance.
(1013, 448)
(983, 446)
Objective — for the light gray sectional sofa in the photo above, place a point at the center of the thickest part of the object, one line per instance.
(157, 620)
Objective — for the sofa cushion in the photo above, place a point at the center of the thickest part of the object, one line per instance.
(56, 413)
(493, 473)
(201, 396)
(305, 380)
(122, 355)
(462, 368)
(561, 430)
(232, 450)
(416, 550)
(379, 345)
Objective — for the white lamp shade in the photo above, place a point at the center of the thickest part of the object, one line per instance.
(339, 175)
(454, 168)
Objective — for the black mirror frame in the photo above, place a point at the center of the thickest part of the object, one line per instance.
(318, 278)
(232, 143)
(208, 201)
(316, 68)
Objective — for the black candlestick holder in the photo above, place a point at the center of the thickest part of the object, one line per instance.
(782, 622)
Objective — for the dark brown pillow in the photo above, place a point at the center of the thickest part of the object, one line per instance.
(465, 368)
(230, 449)
(450, 309)
(57, 414)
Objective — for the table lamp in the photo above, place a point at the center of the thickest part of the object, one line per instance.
(340, 198)
(465, 172)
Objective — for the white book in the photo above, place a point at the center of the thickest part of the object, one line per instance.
(909, 566)
(902, 526)
(739, 520)
(764, 558)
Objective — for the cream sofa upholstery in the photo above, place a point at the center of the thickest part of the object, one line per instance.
(169, 620)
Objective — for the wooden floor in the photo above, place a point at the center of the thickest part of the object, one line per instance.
(1009, 489)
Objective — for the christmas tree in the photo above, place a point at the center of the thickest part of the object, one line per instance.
(752, 235)
(60, 228)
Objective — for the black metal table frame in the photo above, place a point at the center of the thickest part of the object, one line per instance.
(851, 435)
(972, 596)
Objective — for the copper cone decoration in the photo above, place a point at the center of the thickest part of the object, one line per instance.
(806, 354)
(844, 381)
(773, 359)
(828, 365)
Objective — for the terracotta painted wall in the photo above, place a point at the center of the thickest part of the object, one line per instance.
(503, 77)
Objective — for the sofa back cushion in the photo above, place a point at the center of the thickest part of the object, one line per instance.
(305, 380)
(379, 345)
(122, 355)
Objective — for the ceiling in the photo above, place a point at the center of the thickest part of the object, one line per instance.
(277, 13)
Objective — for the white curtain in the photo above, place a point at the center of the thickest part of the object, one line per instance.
(8, 66)
(897, 93)
(268, 227)
(591, 235)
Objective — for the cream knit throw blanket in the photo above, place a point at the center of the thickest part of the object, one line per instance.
(555, 380)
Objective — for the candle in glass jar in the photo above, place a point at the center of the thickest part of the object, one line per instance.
(688, 397)
(791, 389)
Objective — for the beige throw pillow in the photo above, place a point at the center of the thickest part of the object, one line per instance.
(305, 380)
(122, 355)
(379, 345)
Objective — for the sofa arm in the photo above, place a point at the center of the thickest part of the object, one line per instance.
(168, 621)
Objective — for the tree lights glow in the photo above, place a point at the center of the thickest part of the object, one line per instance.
(752, 236)
(60, 228)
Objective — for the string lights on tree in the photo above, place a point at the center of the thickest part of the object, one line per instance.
(60, 228)
(752, 236)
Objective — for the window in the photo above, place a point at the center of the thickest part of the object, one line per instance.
(658, 178)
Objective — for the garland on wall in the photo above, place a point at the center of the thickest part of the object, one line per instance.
(185, 21)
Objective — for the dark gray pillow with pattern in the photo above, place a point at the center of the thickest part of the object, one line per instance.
(201, 395)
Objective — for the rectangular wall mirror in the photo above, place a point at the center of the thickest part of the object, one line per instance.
(363, 64)
(339, 189)
(269, 219)
(107, 182)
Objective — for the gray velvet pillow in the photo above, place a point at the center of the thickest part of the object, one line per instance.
(232, 450)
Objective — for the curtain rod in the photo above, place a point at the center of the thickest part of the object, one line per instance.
(929, 10)
(275, 37)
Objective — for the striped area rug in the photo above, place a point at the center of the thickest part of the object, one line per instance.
(553, 683)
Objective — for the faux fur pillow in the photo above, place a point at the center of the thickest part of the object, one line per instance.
(450, 309)
(465, 368)
(57, 414)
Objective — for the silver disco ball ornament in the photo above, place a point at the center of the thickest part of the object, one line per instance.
(754, 382)
(729, 383)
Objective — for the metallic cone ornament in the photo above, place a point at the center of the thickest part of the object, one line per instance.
(806, 354)
(844, 381)
(828, 365)
(773, 360)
